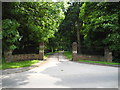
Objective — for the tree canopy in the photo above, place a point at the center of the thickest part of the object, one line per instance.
(91, 24)
(101, 27)
(38, 21)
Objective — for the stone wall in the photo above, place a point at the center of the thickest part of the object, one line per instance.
(90, 57)
(107, 55)
(20, 57)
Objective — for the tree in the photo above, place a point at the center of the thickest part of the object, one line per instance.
(69, 28)
(10, 34)
(100, 24)
(38, 20)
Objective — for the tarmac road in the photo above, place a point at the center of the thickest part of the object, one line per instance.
(58, 72)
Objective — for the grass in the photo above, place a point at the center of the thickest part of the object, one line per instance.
(68, 54)
(100, 62)
(48, 54)
(18, 64)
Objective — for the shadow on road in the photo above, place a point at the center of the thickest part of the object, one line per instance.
(63, 73)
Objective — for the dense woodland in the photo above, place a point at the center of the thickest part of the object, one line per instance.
(59, 24)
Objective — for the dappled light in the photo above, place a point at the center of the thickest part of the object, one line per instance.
(64, 74)
(60, 44)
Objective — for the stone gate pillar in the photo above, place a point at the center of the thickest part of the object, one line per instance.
(41, 50)
(8, 56)
(74, 51)
(107, 55)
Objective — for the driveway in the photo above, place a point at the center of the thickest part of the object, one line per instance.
(58, 72)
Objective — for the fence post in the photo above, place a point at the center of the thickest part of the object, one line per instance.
(107, 55)
(74, 51)
(41, 50)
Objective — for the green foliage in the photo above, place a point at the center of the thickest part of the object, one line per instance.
(0, 29)
(1, 34)
(52, 44)
(18, 64)
(99, 62)
(68, 54)
(67, 30)
(48, 54)
(10, 34)
(101, 27)
(38, 20)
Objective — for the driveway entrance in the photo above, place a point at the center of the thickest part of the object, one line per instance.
(63, 74)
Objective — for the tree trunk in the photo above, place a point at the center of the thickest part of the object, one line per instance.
(78, 37)
(52, 49)
(78, 40)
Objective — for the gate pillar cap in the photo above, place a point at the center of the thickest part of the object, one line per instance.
(74, 42)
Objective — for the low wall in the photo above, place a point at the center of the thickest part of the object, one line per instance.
(107, 55)
(20, 57)
(90, 57)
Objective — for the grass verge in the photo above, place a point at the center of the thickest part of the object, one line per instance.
(68, 54)
(99, 62)
(18, 64)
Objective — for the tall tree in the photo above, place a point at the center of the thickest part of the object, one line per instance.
(100, 24)
(69, 28)
(38, 20)
(10, 34)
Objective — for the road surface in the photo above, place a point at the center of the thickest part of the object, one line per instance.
(58, 72)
